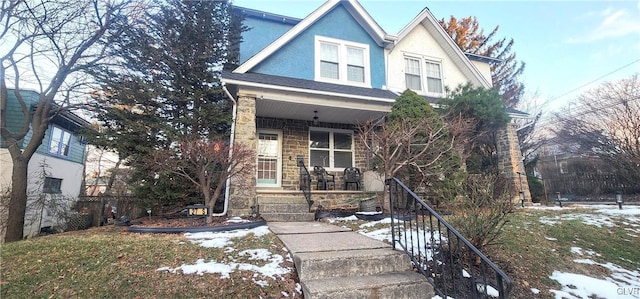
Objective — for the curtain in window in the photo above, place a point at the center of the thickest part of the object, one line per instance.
(412, 73)
(355, 64)
(329, 61)
(434, 77)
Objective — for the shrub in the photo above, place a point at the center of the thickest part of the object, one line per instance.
(482, 210)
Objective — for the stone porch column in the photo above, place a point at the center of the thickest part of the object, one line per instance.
(243, 188)
(510, 162)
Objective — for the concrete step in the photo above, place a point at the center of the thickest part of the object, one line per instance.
(288, 217)
(284, 207)
(262, 199)
(407, 284)
(329, 264)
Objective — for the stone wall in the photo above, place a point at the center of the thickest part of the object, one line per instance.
(295, 135)
(510, 162)
(242, 189)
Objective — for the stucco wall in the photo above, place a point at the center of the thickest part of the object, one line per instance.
(260, 34)
(70, 173)
(420, 43)
(296, 58)
(484, 68)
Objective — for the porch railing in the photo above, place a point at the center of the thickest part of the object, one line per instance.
(450, 262)
(305, 181)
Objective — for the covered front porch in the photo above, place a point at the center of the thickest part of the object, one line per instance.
(283, 124)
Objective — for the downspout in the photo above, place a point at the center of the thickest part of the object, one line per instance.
(234, 112)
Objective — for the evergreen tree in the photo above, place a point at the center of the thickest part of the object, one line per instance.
(468, 35)
(474, 115)
(164, 87)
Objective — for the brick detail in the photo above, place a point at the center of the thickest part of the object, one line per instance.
(510, 162)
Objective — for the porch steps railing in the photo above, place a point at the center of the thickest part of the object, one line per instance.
(305, 181)
(450, 262)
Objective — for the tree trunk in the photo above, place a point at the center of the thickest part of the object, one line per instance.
(18, 201)
(112, 177)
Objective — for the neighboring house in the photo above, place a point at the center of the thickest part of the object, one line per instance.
(304, 84)
(56, 169)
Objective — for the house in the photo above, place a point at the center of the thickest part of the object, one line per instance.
(303, 84)
(55, 171)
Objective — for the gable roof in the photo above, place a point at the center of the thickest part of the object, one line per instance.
(267, 15)
(355, 9)
(425, 18)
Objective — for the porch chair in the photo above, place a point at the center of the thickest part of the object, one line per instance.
(351, 176)
(323, 178)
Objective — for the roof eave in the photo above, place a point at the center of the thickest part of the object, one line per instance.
(303, 90)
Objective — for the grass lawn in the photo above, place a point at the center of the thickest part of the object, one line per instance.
(537, 244)
(578, 242)
(109, 263)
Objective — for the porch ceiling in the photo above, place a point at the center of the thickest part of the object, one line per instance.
(345, 113)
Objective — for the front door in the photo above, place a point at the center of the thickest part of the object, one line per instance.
(269, 162)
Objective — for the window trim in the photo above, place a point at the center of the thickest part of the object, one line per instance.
(332, 148)
(343, 45)
(279, 158)
(48, 190)
(58, 152)
(423, 74)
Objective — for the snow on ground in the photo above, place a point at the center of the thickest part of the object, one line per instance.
(620, 282)
(271, 269)
(602, 216)
(221, 239)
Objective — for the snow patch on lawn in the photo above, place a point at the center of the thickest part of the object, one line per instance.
(270, 269)
(222, 239)
(582, 286)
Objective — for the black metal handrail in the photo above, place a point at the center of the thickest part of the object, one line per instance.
(305, 181)
(450, 262)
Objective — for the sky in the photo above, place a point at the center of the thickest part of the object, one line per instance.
(568, 47)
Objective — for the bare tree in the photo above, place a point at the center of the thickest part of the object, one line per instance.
(606, 125)
(46, 45)
(206, 163)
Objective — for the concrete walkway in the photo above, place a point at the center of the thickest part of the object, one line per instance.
(335, 262)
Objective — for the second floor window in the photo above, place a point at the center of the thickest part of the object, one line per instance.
(342, 62)
(434, 77)
(412, 73)
(59, 142)
(425, 80)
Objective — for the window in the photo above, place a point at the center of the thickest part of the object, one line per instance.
(339, 61)
(355, 64)
(329, 61)
(52, 185)
(434, 77)
(331, 148)
(413, 75)
(59, 142)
